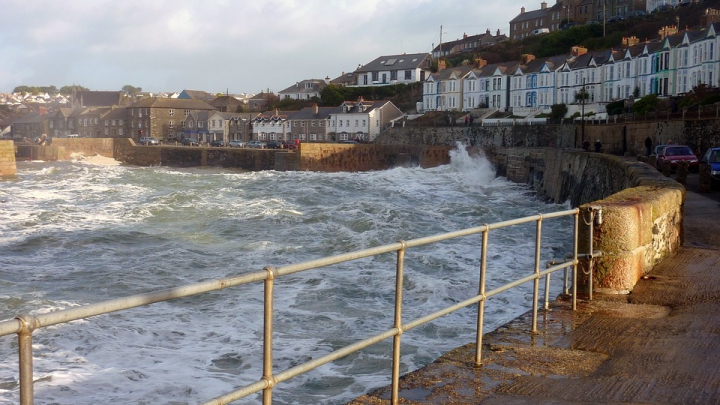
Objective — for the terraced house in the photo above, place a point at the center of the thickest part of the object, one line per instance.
(670, 66)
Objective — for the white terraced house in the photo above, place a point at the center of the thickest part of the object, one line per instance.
(670, 66)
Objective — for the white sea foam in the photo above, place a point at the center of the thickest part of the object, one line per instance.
(77, 233)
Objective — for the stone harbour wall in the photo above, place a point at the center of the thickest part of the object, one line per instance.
(642, 210)
(7, 158)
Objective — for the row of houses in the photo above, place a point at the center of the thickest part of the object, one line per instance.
(671, 66)
(175, 119)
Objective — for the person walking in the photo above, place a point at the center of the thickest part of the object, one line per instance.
(648, 146)
(598, 146)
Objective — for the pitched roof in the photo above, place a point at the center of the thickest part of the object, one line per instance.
(98, 98)
(397, 62)
(157, 102)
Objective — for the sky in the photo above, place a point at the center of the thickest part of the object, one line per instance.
(235, 46)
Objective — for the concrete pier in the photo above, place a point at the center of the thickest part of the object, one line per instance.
(658, 344)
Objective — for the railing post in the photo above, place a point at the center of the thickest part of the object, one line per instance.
(575, 260)
(481, 292)
(590, 254)
(394, 396)
(268, 336)
(536, 282)
(25, 352)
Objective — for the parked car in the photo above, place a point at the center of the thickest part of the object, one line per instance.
(658, 149)
(256, 144)
(217, 143)
(236, 143)
(712, 158)
(289, 145)
(273, 145)
(148, 140)
(678, 153)
(190, 142)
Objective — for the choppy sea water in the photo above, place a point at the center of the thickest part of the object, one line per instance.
(74, 233)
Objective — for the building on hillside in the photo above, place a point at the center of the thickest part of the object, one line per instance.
(195, 95)
(442, 91)
(345, 79)
(467, 44)
(259, 101)
(304, 90)
(162, 118)
(113, 123)
(394, 69)
(361, 120)
(228, 104)
(89, 99)
(30, 126)
(271, 126)
(227, 126)
(311, 123)
(195, 126)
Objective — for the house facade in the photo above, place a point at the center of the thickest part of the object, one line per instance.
(304, 90)
(162, 118)
(394, 69)
(361, 120)
(671, 66)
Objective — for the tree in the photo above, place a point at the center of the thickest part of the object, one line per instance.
(558, 111)
(68, 90)
(332, 95)
(646, 104)
(131, 90)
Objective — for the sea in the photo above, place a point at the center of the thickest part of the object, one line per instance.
(83, 231)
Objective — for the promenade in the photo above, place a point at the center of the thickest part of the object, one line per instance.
(658, 345)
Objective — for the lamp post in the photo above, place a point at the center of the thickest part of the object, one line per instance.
(582, 124)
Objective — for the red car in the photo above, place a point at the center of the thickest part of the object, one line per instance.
(675, 154)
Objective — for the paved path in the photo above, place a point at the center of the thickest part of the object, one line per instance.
(658, 345)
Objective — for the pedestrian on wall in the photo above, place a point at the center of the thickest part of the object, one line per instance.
(467, 120)
(586, 145)
(648, 146)
(472, 120)
(598, 146)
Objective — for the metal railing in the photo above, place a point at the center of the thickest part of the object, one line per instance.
(24, 325)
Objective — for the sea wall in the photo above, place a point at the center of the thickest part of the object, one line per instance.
(7, 158)
(642, 210)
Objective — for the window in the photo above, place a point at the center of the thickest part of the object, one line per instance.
(187, 112)
(393, 75)
(375, 76)
(313, 137)
(171, 112)
(356, 122)
(200, 124)
(107, 122)
(408, 74)
(171, 124)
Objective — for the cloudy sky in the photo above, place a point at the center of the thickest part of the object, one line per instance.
(223, 45)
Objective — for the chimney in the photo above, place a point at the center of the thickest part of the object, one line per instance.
(526, 57)
(498, 32)
(522, 10)
(360, 99)
(630, 41)
(276, 112)
(441, 65)
(315, 108)
(543, 5)
(480, 62)
(487, 32)
(578, 50)
(464, 35)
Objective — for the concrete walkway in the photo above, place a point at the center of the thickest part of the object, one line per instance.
(658, 345)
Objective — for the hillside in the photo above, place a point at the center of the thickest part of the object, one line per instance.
(645, 28)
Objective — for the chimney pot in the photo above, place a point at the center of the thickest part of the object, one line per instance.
(522, 10)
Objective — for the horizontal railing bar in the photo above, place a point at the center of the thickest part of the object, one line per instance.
(133, 301)
(310, 365)
(474, 300)
(240, 393)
